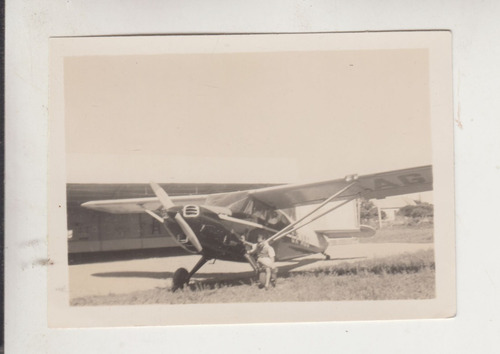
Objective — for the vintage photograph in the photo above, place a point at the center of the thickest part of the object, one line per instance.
(276, 172)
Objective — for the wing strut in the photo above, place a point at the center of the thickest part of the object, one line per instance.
(154, 215)
(292, 227)
(314, 219)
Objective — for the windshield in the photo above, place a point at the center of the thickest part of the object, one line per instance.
(237, 202)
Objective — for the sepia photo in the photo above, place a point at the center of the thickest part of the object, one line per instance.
(250, 178)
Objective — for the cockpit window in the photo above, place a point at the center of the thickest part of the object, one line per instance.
(242, 202)
(248, 208)
(260, 210)
(237, 202)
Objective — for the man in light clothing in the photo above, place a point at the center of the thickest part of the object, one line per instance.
(265, 259)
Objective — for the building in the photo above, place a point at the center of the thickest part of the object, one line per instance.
(391, 206)
(92, 231)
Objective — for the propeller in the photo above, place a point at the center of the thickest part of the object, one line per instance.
(188, 231)
(162, 196)
(167, 204)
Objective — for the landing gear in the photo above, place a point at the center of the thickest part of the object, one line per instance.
(252, 263)
(327, 256)
(181, 275)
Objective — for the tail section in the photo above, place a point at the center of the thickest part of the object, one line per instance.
(299, 245)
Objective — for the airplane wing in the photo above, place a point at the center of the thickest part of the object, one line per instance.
(138, 205)
(379, 185)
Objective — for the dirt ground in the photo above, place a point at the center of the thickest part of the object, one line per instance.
(118, 277)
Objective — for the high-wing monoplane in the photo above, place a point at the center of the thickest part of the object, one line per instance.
(219, 226)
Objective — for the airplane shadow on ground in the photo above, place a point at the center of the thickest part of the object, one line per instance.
(135, 274)
(214, 280)
(248, 278)
(124, 255)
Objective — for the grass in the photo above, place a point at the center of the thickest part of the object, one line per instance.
(422, 234)
(407, 276)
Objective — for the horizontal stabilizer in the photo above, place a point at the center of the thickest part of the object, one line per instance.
(364, 232)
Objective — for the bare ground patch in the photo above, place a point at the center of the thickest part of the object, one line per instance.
(406, 276)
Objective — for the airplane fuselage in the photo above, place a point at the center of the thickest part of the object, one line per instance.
(222, 237)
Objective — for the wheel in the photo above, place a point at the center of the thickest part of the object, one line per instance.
(181, 277)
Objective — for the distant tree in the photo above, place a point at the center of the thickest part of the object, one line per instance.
(417, 212)
(369, 211)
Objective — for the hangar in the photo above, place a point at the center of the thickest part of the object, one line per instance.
(93, 231)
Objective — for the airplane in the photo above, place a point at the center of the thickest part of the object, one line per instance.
(222, 225)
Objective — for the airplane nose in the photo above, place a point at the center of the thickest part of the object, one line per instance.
(191, 211)
(176, 213)
(173, 211)
(188, 231)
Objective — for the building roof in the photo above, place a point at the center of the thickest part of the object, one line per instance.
(78, 193)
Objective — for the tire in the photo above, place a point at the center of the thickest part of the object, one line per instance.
(181, 277)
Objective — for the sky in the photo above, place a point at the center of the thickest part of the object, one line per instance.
(267, 117)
